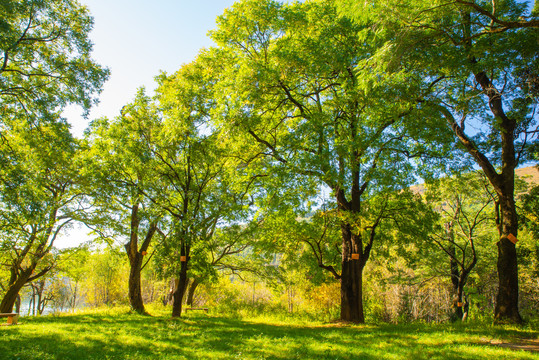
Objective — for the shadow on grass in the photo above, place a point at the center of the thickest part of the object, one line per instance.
(132, 336)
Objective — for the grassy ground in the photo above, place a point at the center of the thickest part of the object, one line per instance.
(121, 335)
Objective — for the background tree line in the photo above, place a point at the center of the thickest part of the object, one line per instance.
(283, 156)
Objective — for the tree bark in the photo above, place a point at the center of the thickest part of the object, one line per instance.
(135, 288)
(351, 277)
(182, 281)
(192, 289)
(10, 297)
(136, 258)
(506, 309)
(180, 291)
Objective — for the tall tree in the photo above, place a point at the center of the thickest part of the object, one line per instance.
(292, 96)
(39, 196)
(200, 188)
(474, 66)
(45, 64)
(120, 162)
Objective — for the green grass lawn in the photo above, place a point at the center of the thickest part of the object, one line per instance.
(121, 335)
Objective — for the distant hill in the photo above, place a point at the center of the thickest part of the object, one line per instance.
(529, 174)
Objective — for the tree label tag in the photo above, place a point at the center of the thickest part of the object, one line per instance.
(355, 256)
(183, 258)
(512, 238)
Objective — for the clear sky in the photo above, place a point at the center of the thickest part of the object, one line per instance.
(136, 39)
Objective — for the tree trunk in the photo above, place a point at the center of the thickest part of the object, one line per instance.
(136, 257)
(506, 310)
(459, 311)
(192, 289)
(135, 288)
(455, 275)
(352, 292)
(18, 304)
(351, 277)
(41, 301)
(180, 291)
(10, 297)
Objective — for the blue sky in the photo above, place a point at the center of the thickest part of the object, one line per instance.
(136, 39)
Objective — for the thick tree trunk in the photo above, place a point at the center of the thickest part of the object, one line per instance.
(506, 310)
(135, 288)
(136, 258)
(180, 291)
(352, 292)
(10, 297)
(351, 277)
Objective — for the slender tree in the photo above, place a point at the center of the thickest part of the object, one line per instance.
(40, 196)
(466, 205)
(200, 186)
(119, 162)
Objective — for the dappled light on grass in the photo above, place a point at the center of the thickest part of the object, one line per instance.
(123, 335)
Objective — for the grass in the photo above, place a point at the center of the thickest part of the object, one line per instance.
(122, 335)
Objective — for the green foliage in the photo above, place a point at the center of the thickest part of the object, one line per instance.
(45, 64)
(45, 60)
(40, 196)
(433, 50)
(105, 281)
(529, 249)
(529, 210)
(119, 167)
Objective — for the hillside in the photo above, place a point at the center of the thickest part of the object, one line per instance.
(529, 174)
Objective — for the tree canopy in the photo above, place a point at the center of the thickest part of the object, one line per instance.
(45, 60)
(285, 154)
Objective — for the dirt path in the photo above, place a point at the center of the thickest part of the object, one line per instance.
(520, 344)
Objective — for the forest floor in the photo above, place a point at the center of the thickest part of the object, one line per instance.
(114, 334)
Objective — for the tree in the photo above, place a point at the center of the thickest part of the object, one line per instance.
(291, 94)
(225, 251)
(200, 185)
(529, 250)
(106, 280)
(466, 204)
(39, 197)
(45, 60)
(45, 64)
(120, 162)
(473, 66)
